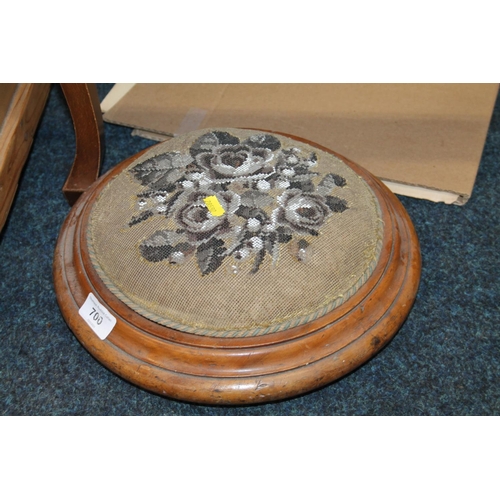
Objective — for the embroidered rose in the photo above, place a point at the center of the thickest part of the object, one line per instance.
(193, 216)
(226, 158)
(232, 162)
(304, 212)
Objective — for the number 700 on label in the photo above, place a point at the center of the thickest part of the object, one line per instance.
(97, 317)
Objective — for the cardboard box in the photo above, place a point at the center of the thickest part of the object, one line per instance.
(422, 140)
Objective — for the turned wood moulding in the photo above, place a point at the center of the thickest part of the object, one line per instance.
(231, 266)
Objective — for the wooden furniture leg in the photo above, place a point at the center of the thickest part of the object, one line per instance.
(83, 103)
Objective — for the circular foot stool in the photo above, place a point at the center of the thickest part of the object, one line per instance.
(232, 266)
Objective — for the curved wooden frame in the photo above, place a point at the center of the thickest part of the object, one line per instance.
(83, 104)
(243, 370)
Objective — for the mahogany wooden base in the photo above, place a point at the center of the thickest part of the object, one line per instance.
(230, 371)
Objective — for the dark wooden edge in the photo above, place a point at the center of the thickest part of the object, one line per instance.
(84, 106)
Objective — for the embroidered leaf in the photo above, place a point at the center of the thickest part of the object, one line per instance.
(151, 193)
(162, 170)
(284, 234)
(336, 204)
(226, 138)
(258, 260)
(303, 169)
(251, 213)
(332, 180)
(155, 253)
(247, 235)
(305, 186)
(160, 245)
(210, 255)
(269, 243)
(256, 199)
(263, 141)
(139, 218)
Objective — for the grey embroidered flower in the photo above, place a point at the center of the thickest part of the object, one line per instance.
(303, 212)
(233, 161)
(193, 216)
(265, 197)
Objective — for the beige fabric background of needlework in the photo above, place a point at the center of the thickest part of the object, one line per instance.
(224, 303)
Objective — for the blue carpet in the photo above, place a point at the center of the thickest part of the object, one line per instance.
(445, 360)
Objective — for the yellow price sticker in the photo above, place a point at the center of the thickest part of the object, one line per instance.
(214, 206)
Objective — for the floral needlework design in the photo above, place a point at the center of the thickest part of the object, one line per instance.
(241, 200)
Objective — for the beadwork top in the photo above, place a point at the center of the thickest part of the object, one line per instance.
(234, 233)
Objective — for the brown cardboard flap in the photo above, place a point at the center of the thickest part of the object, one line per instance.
(425, 140)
